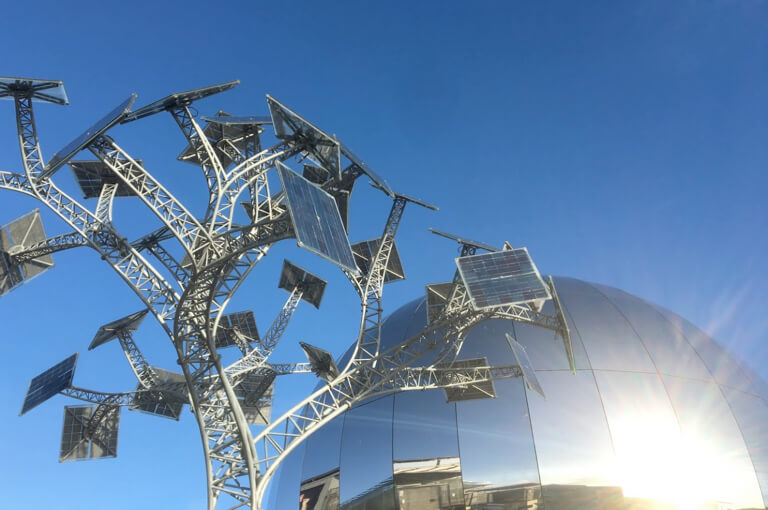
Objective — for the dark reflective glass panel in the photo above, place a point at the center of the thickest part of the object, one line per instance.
(316, 219)
(366, 457)
(427, 470)
(717, 466)
(646, 438)
(89, 135)
(751, 413)
(573, 444)
(725, 369)
(501, 278)
(287, 487)
(49, 383)
(498, 459)
(609, 340)
(320, 471)
(670, 352)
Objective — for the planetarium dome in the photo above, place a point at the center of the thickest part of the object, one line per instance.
(657, 416)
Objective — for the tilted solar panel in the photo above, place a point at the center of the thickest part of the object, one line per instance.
(501, 278)
(316, 219)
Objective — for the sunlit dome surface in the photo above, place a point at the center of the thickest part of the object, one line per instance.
(657, 416)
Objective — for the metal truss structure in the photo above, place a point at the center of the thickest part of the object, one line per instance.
(186, 273)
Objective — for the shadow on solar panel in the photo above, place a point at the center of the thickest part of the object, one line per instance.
(165, 399)
(16, 237)
(91, 176)
(101, 442)
(364, 253)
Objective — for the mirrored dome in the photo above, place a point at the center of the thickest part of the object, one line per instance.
(657, 416)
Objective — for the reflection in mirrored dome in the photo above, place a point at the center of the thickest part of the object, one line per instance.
(657, 416)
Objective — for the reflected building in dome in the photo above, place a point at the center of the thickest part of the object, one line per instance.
(656, 416)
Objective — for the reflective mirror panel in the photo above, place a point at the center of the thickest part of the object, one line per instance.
(426, 466)
(751, 414)
(320, 471)
(498, 459)
(609, 340)
(646, 438)
(286, 484)
(573, 444)
(670, 352)
(545, 350)
(724, 368)
(366, 457)
(717, 466)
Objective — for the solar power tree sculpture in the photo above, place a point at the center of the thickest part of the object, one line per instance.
(186, 273)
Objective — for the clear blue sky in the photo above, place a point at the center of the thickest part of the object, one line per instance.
(621, 142)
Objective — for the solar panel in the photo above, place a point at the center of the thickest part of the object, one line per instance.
(25, 232)
(10, 273)
(227, 140)
(104, 439)
(74, 445)
(109, 331)
(464, 240)
(318, 175)
(103, 442)
(245, 324)
(88, 136)
(438, 295)
(312, 286)
(47, 91)
(178, 100)
(364, 252)
(376, 178)
(471, 391)
(256, 396)
(323, 149)
(501, 278)
(49, 383)
(91, 176)
(163, 399)
(316, 219)
(529, 375)
(321, 361)
(232, 120)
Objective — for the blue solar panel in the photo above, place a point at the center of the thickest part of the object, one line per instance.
(89, 135)
(501, 278)
(316, 219)
(525, 365)
(49, 383)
